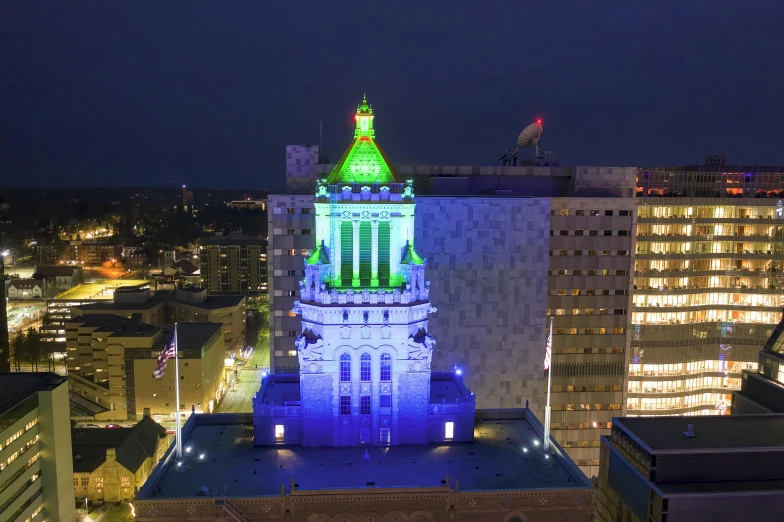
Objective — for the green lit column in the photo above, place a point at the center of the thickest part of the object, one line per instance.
(374, 254)
(335, 252)
(394, 252)
(355, 266)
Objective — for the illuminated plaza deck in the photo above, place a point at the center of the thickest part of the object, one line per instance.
(497, 460)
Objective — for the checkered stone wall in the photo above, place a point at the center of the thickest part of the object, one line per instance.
(487, 260)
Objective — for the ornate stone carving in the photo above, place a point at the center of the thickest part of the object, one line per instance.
(310, 350)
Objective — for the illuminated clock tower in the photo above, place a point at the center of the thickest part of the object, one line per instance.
(364, 350)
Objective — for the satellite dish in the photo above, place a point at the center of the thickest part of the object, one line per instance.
(530, 136)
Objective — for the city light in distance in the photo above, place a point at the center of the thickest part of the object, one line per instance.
(201, 457)
(188, 449)
(525, 450)
(536, 443)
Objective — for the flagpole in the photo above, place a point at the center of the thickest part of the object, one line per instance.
(549, 385)
(178, 429)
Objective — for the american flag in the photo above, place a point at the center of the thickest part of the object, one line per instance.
(548, 350)
(166, 354)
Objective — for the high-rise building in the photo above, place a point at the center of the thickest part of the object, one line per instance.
(234, 264)
(487, 232)
(36, 475)
(666, 469)
(708, 284)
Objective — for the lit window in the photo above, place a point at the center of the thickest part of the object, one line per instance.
(449, 430)
(279, 433)
(125, 482)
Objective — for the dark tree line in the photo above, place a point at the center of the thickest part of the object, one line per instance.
(27, 348)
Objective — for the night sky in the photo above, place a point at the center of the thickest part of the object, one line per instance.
(208, 93)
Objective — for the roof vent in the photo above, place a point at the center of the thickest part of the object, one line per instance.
(689, 432)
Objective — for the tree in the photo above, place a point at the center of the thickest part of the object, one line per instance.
(33, 347)
(19, 346)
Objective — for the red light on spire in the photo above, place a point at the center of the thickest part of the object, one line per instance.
(539, 121)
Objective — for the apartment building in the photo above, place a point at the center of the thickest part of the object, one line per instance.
(708, 284)
(35, 449)
(234, 264)
(93, 252)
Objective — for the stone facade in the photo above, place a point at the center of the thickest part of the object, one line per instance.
(389, 505)
(488, 260)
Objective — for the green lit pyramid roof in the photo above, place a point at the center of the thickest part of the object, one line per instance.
(319, 256)
(364, 161)
(410, 257)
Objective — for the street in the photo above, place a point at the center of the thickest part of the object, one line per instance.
(239, 398)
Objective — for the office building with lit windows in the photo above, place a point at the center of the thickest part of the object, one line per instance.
(35, 449)
(506, 245)
(708, 284)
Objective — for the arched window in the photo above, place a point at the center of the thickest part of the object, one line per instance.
(345, 368)
(364, 367)
(386, 367)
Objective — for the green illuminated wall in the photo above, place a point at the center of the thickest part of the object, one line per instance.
(383, 253)
(346, 252)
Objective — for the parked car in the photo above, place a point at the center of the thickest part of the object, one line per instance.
(112, 426)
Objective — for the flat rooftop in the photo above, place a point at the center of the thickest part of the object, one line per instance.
(738, 432)
(230, 460)
(99, 291)
(16, 387)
